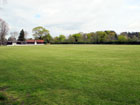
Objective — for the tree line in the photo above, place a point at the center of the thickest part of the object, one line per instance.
(41, 33)
(99, 37)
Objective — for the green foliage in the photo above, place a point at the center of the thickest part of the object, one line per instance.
(2, 97)
(56, 39)
(77, 37)
(71, 38)
(139, 36)
(62, 38)
(40, 32)
(111, 35)
(101, 36)
(122, 38)
(135, 39)
(47, 38)
(21, 36)
(89, 37)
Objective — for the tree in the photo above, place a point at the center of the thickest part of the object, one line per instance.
(122, 38)
(77, 37)
(47, 38)
(70, 39)
(21, 36)
(90, 37)
(62, 38)
(3, 31)
(25, 34)
(56, 39)
(40, 32)
(84, 38)
(111, 35)
(12, 39)
(101, 36)
(13, 36)
(133, 39)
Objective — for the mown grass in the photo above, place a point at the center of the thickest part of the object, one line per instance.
(70, 75)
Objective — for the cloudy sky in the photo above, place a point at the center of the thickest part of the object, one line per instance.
(71, 16)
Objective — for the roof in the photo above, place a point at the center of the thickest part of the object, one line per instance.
(30, 40)
(39, 41)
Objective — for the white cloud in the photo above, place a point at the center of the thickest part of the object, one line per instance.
(70, 16)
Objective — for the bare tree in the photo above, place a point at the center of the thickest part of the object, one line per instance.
(26, 34)
(3, 31)
(13, 36)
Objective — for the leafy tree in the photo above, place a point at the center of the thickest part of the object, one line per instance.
(111, 35)
(139, 36)
(91, 37)
(84, 38)
(56, 39)
(21, 36)
(94, 37)
(122, 38)
(47, 38)
(101, 36)
(134, 39)
(70, 38)
(62, 38)
(77, 37)
(40, 32)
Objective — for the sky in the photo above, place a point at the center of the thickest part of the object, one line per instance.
(72, 16)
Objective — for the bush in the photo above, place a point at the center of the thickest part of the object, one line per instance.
(2, 97)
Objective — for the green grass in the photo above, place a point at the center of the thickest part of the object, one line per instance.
(70, 75)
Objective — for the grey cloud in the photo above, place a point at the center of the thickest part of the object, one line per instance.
(69, 16)
(66, 26)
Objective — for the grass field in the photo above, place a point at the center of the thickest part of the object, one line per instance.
(70, 75)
